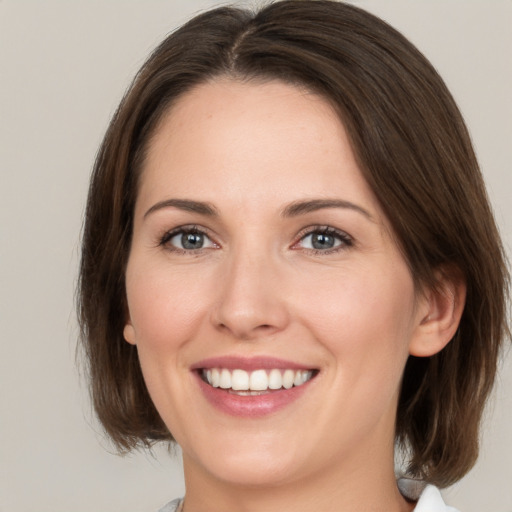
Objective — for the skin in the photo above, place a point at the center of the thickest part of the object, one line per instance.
(257, 287)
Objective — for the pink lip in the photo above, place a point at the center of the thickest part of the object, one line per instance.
(248, 363)
(249, 406)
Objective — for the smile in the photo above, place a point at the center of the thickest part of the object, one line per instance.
(255, 382)
(253, 387)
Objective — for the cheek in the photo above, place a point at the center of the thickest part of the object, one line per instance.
(165, 313)
(364, 315)
(164, 306)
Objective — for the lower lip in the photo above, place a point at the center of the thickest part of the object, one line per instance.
(250, 406)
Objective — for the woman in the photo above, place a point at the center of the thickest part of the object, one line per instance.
(282, 265)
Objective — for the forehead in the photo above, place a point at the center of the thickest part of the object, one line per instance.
(258, 110)
(252, 139)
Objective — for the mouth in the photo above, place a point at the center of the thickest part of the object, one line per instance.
(253, 387)
(256, 382)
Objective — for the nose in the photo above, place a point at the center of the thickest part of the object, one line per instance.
(251, 301)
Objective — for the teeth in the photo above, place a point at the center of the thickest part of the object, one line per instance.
(288, 378)
(275, 380)
(214, 378)
(258, 380)
(239, 380)
(225, 379)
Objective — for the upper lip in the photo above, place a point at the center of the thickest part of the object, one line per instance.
(249, 363)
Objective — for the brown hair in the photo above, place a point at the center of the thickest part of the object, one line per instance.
(414, 151)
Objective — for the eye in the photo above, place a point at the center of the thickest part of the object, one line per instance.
(187, 239)
(325, 239)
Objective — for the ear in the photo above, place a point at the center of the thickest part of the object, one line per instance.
(129, 332)
(439, 313)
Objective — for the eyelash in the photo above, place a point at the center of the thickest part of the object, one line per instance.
(183, 230)
(345, 240)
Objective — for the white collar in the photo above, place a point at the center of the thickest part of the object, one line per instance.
(428, 497)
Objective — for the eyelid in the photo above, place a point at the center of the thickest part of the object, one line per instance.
(164, 239)
(346, 239)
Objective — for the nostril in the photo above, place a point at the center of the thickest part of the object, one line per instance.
(247, 332)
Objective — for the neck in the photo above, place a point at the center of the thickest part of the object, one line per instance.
(363, 489)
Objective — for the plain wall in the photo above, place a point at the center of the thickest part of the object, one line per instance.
(64, 66)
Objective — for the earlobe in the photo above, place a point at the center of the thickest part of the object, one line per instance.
(129, 333)
(439, 315)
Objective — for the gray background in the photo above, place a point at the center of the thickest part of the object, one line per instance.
(63, 68)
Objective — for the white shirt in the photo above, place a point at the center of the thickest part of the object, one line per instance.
(428, 497)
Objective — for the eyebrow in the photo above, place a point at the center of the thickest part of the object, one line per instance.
(294, 209)
(186, 205)
(302, 207)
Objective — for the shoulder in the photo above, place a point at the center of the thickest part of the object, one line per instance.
(172, 506)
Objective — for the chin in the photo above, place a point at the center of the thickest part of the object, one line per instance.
(254, 473)
(250, 464)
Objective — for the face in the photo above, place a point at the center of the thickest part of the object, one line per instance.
(272, 311)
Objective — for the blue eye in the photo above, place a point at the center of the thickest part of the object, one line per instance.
(325, 239)
(187, 240)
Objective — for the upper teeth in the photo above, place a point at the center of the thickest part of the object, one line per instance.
(257, 380)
